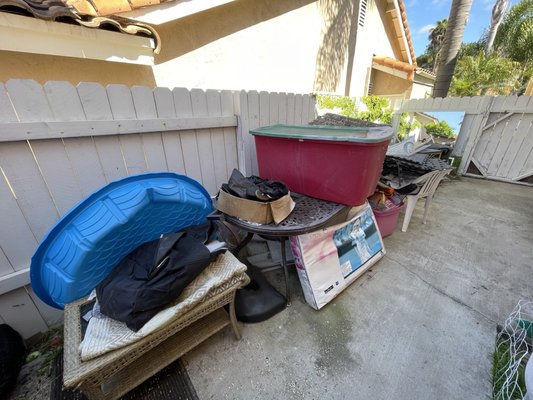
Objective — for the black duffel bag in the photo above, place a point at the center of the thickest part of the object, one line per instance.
(152, 276)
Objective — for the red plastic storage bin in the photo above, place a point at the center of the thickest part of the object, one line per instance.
(388, 219)
(339, 164)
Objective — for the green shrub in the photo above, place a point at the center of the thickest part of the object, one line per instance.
(440, 128)
(407, 126)
(377, 111)
(377, 107)
(345, 103)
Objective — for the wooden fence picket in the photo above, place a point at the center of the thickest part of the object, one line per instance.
(253, 122)
(495, 135)
(7, 113)
(191, 158)
(203, 141)
(217, 144)
(230, 137)
(59, 143)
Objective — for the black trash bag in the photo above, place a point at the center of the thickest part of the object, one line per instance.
(238, 185)
(259, 300)
(254, 187)
(269, 190)
(152, 276)
(12, 355)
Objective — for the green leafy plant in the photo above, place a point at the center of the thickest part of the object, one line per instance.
(377, 107)
(476, 75)
(440, 128)
(377, 110)
(471, 49)
(407, 125)
(515, 34)
(344, 103)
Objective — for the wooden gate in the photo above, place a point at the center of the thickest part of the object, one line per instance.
(504, 146)
(496, 137)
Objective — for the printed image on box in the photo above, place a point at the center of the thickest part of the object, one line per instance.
(356, 243)
(330, 259)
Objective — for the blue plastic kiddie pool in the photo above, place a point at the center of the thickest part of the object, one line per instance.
(94, 236)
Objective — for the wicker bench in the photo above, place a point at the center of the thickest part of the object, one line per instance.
(113, 374)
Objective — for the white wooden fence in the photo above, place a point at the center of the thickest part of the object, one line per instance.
(59, 143)
(496, 137)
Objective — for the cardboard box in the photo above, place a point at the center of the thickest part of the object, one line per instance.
(330, 259)
(255, 211)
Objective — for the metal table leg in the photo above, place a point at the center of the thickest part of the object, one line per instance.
(285, 270)
(242, 244)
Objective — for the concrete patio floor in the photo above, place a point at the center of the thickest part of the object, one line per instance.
(420, 324)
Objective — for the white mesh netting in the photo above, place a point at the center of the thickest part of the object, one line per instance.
(513, 349)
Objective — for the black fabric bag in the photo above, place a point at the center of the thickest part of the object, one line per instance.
(151, 277)
(12, 355)
(254, 187)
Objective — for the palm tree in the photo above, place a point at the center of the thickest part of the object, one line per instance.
(515, 34)
(436, 39)
(514, 39)
(498, 11)
(452, 43)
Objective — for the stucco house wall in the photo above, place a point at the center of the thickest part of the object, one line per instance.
(420, 91)
(43, 68)
(260, 45)
(269, 45)
(422, 87)
(273, 45)
(384, 84)
(372, 40)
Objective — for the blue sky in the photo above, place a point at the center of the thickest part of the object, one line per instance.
(422, 15)
(454, 119)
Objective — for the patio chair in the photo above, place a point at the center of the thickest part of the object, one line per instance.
(430, 182)
(198, 314)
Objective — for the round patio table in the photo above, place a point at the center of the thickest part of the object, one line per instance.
(309, 214)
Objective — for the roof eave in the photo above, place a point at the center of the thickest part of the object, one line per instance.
(36, 36)
(390, 65)
(425, 74)
(80, 12)
(396, 11)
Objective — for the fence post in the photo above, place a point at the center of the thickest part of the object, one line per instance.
(396, 105)
(396, 118)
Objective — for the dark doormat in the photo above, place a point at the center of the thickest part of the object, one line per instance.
(171, 383)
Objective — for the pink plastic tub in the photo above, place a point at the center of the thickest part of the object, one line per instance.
(387, 220)
(339, 164)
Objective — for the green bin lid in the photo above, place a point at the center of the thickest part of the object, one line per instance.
(323, 132)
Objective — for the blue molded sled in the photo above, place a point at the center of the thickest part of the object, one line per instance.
(92, 238)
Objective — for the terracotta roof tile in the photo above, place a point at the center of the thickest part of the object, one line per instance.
(83, 7)
(43, 9)
(110, 7)
(426, 71)
(88, 13)
(396, 64)
(143, 3)
(407, 30)
(106, 8)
